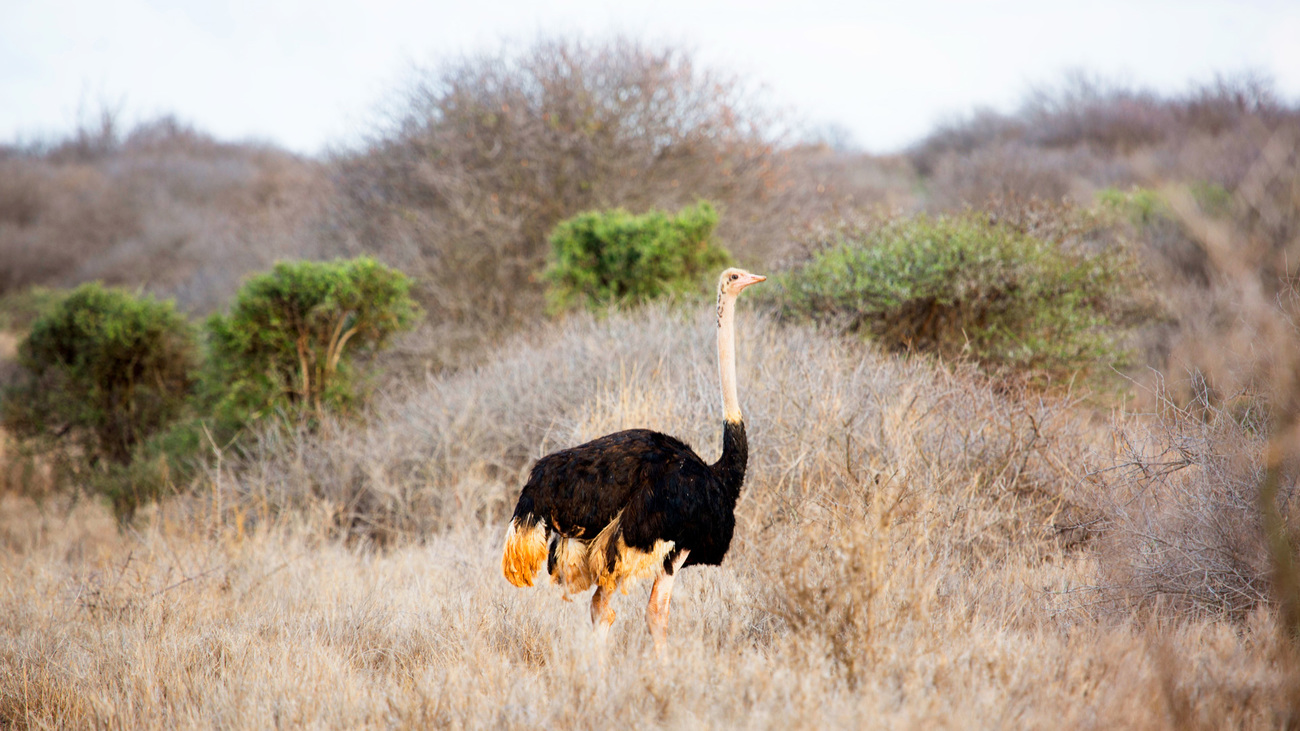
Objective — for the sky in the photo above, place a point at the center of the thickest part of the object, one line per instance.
(311, 75)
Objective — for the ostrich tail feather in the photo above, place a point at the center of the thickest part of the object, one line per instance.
(525, 550)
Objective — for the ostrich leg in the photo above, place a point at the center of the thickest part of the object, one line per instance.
(656, 613)
(602, 615)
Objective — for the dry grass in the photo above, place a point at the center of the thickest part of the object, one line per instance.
(454, 449)
(895, 565)
(1180, 506)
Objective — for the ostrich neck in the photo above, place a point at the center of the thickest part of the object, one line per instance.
(730, 467)
(727, 357)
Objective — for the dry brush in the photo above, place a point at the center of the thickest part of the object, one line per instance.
(897, 562)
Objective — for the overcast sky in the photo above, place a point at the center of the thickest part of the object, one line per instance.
(307, 74)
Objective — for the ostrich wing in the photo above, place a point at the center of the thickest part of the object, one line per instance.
(655, 480)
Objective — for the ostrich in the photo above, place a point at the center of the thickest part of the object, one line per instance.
(636, 503)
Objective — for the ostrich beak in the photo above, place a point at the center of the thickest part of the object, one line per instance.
(749, 279)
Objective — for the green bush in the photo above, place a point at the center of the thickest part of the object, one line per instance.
(103, 369)
(613, 257)
(967, 287)
(288, 342)
(1140, 206)
(170, 457)
(1143, 206)
(1212, 198)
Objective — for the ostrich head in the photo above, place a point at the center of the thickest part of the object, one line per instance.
(733, 280)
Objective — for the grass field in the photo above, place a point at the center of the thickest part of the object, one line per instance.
(902, 559)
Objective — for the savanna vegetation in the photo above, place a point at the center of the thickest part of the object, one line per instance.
(603, 258)
(1022, 409)
(969, 286)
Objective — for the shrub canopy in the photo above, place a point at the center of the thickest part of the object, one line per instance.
(604, 257)
(967, 287)
(104, 370)
(291, 333)
(1139, 206)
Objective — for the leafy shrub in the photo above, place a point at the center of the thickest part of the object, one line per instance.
(104, 369)
(1141, 206)
(1169, 251)
(289, 339)
(1212, 198)
(168, 458)
(966, 286)
(604, 257)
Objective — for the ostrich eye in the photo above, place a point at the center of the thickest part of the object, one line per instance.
(735, 276)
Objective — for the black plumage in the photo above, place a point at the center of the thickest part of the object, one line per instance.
(663, 489)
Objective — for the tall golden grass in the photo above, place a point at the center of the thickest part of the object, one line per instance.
(906, 555)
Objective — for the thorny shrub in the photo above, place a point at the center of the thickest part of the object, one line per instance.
(1085, 111)
(1086, 134)
(1200, 512)
(1178, 509)
(159, 206)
